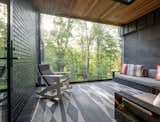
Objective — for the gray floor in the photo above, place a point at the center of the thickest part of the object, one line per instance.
(88, 102)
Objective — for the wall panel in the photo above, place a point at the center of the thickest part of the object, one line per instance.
(24, 37)
(143, 45)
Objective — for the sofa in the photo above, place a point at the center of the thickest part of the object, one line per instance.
(147, 84)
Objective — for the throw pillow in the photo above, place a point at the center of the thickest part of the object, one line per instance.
(145, 72)
(158, 73)
(156, 102)
(131, 69)
(124, 69)
(138, 70)
(152, 73)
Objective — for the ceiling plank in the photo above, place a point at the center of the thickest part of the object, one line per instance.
(110, 11)
(104, 11)
(91, 8)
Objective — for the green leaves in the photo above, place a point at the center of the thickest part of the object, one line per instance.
(90, 51)
(3, 41)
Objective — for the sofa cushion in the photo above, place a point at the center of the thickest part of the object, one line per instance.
(124, 68)
(139, 70)
(151, 73)
(157, 77)
(131, 69)
(140, 80)
(145, 72)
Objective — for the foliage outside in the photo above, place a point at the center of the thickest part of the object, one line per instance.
(90, 51)
(3, 40)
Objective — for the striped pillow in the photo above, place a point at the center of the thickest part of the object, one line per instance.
(131, 69)
(138, 70)
(124, 69)
(158, 73)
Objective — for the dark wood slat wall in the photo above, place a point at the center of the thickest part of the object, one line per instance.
(142, 40)
(24, 37)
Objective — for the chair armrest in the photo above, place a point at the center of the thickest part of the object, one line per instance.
(62, 73)
(138, 102)
(53, 76)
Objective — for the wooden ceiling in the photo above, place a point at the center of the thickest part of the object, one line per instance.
(103, 11)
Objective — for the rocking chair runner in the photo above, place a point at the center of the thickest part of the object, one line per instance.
(54, 81)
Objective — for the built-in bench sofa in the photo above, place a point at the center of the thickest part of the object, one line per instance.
(147, 84)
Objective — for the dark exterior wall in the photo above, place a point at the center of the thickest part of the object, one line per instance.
(142, 40)
(24, 38)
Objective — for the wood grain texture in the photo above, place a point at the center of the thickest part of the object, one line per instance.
(103, 11)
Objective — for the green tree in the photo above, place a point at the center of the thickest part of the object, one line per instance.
(88, 50)
(3, 40)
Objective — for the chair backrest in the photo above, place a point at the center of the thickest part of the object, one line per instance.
(2, 69)
(44, 69)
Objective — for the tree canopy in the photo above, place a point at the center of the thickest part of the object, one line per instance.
(3, 40)
(90, 51)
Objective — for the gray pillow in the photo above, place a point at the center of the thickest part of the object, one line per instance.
(151, 73)
(131, 69)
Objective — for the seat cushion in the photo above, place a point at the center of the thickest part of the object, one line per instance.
(140, 80)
